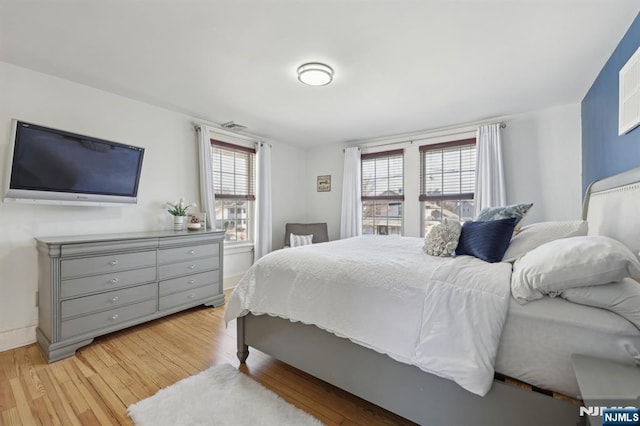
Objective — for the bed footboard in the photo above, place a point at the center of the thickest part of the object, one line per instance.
(397, 387)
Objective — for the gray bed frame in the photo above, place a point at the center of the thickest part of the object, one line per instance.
(422, 397)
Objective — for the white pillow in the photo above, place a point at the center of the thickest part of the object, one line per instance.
(622, 298)
(571, 262)
(532, 236)
(442, 238)
(300, 240)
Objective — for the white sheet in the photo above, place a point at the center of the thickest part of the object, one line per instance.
(539, 338)
(443, 315)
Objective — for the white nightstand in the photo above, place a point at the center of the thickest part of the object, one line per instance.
(606, 384)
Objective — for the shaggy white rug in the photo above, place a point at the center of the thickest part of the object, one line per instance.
(220, 395)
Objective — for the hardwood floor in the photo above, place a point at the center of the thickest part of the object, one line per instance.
(96, 386)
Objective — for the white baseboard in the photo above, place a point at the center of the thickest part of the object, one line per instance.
(17, 337)
(230, 282)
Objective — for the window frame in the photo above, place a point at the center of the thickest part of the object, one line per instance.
(460, 196)
(383, 198)
(250, 193)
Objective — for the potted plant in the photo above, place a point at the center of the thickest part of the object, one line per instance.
(178, 209)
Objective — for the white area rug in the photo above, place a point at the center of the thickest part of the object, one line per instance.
(220, 395)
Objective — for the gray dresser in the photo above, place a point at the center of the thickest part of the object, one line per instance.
(95, 284)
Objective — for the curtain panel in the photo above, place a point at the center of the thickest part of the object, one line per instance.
(263, 217)
(490, 183)
(351, 217)
(205, 163)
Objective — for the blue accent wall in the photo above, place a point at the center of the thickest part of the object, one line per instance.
(604, 153)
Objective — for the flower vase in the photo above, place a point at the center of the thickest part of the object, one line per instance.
(179, 223)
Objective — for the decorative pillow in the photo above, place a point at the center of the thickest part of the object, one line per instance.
(442, 238)
(622, 298)
(571, 262)
(486, 240)
(518, 211)
(532, 236)
(300, 240)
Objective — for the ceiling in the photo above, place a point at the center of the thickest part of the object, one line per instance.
(400, 66)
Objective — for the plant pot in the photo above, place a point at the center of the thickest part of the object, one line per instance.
(179, 223)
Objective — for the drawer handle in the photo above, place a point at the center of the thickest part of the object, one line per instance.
(114, 280)
(192, 266)
(114, 299)
(113, 262)
(192, 252)
(114, 317)
(191, 296)
(191, 282)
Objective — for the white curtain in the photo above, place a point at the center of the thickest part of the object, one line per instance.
(351, 220)
(489, 191)
(263, 222)
(207, 196)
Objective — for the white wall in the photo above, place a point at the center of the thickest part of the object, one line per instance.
(288, 189)
(170, 171)
(542, 155)
(543, 162)
(324, 206)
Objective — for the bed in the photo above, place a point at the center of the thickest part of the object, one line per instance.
(534, 341)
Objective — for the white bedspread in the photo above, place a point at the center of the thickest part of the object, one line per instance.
(443, 315)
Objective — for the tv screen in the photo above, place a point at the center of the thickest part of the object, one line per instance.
(49, 164)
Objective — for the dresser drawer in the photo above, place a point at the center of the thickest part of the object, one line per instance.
(189, 267)
(111, 281)
(94, 322)
(190, 281)
(186, 253)
(112, 299)
(104, 264)
(189, 296)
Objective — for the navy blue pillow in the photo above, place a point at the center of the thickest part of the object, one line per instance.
(486, 240)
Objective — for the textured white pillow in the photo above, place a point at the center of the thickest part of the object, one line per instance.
(442, 238)
(300, 240)
(571, 262)
(622, 298)
(535, 235)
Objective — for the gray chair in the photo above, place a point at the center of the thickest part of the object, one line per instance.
(319, 231)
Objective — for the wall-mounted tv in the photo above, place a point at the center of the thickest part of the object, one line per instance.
(58, 167)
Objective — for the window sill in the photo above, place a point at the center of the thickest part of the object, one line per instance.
(237, 248)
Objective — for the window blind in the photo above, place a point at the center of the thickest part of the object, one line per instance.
(233, 171)
(383, 175)
(447, 171)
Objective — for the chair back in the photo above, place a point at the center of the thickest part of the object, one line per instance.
(319, 231)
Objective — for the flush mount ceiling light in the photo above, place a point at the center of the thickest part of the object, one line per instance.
(315, 74)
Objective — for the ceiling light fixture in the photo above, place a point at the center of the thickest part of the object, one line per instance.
(315, 74)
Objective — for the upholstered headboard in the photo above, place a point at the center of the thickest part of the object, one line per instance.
(319, 231)
(612, 208)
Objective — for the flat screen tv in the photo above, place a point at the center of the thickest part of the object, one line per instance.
(58, 167)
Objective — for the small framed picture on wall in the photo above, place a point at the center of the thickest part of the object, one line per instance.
(324, 183)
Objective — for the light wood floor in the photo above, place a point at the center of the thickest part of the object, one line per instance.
(96, 386)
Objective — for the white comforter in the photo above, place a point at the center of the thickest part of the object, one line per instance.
(443, 315)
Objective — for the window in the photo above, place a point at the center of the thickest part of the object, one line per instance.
(382, 192)
(233, 185)
(447, 181)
